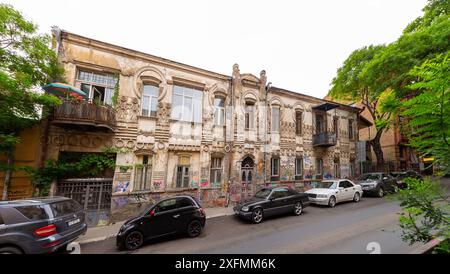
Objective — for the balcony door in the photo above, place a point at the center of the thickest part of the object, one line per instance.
(320, 123)
(247, 176)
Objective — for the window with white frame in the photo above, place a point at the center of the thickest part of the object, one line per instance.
(276, 119)
(219, 114)
(149, 101)
(187, 104)
(98, 86)
(183, 172)
(249, 114)
(143, 174)
(298, 168)
(216, 171)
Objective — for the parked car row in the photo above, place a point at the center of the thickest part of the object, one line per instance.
(45, 225)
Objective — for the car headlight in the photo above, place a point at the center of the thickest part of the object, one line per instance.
(244, 208)
(322, 196)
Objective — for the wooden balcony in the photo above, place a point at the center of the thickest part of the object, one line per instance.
(85, 114)
(324, 139)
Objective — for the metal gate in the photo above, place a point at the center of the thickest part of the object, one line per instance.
(94, 194)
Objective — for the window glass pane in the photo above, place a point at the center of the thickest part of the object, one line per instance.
(153, 106)
(177, 107)
(145, 105)
(197, 110)
(219, 102)
(187, 109)
(33, 213)
(275, 119)
(184, 202)
(64, 208)
(166, 205)
(178, 90)
(151, 90)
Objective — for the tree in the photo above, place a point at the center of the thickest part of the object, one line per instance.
(351, 83)
(429, 112)
(26, 64)
(426, 213)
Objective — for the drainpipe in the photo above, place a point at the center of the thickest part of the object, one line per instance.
(230, 153)
(265, 130)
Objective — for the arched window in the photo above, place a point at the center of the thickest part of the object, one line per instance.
(149, 100)
(219, 113)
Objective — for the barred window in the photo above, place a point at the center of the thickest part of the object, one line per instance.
(143, 174)
(216, 171)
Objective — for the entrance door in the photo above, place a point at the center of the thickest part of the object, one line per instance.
(247, 176)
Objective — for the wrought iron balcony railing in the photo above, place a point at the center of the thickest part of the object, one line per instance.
(325, 139)
(85, 113)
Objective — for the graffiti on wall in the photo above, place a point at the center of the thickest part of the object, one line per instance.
(204, 183)
(121, 186)
(158, 185)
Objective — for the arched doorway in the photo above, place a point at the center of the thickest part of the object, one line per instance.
(247, 177)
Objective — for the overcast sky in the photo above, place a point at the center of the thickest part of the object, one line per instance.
(299, 43)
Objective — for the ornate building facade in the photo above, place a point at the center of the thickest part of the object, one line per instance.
(182, 129)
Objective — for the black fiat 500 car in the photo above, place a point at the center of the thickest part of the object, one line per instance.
(174, 215)
(272, 201)
(40, 225)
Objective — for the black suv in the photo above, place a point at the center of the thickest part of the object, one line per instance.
(377, 183)
(174, 215)
(401, 176)
(39, 225)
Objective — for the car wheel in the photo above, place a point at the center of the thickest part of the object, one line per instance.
(357, 197)
(134, 240)
(10, 250)
(257, 216)
(194, 229)
(298, 208)
(332, 201)
(395, 189)
(380, 192)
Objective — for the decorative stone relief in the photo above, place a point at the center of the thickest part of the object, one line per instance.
(128, 109)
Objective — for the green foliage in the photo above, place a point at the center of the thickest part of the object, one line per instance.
(115, 96)
(432, 11)
(429, 111)
(426, 211)
(88, 165)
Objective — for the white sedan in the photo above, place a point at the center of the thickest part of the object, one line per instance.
(330, 192)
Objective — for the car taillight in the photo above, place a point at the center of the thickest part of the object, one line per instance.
(45, 231)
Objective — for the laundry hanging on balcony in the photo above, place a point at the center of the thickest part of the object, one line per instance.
(64, 91)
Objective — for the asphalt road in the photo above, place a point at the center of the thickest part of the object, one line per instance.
(362, 228)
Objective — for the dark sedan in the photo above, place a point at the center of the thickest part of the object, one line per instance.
(377, 184)
(402, 175)
(174, 215)
(272, 201)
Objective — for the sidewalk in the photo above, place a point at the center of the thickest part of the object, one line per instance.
(100, 233)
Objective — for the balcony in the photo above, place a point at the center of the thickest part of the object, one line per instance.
(85, 114)
(324, 139)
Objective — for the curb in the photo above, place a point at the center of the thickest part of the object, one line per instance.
(103, 238)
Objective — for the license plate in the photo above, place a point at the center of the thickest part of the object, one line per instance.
(73, 222)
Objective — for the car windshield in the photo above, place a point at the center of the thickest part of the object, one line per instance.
(263, 193)
(329, 185)
(370, 176)
(65, 207)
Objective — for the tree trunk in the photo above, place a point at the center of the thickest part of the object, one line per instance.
(375, 143)
(8, 174)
